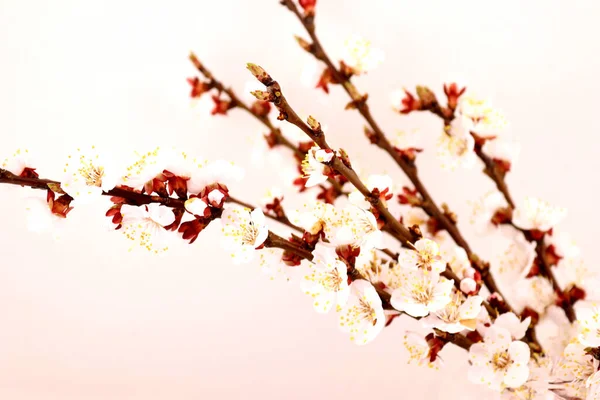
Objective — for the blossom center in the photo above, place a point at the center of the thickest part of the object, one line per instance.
(332, 281)
(367, 312)
(422, 293)
(91, 174)
(249, 233)
(500, 360)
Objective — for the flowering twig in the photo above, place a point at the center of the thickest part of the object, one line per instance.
(275, 133)
(316, 134)
(378, 137)
(54, 186)
(276, 241)
(498, 174)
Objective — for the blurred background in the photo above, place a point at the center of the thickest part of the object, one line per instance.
(83, 318)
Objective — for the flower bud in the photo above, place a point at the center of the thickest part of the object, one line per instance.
(262, 95)
(314, 124)
(259, 73)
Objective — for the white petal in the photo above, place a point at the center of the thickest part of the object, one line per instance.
(519, 353)
(516, 375)
(195, 206)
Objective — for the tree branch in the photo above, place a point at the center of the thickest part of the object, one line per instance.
(408, 167)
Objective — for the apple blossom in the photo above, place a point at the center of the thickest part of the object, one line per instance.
(459, 314)
(504, 149)
(359, 228)
(536, 293)
(88, 174)
(360, 55)
(384, 274)
(499, 361)
(362, 316)
(244, 231)
(20, 162)
(326, 280)
(425, 255)
(487, 121)
(422, 292)
(589, 321)
(484, 209)
(40, 218)
(419, 351)
(313, 166)
(455, 146)
(536, 214)
(513, 324)
(577, 369)
(145, 225)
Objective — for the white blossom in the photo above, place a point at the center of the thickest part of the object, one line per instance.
(421, 292)
(316, 217)
(538, 384)
(88, 174)
(196, 206)
(313, 166)
(220, 171)
(536, 214)
(516, 261)
(554, 331)
(536, 293)
(505, 149)
(578, 368)
(564, 244)
(40, 218)
(487, 121)
(243, 232)
(418, 350)
(326, 280)
(362, 316)
(455, 148)
(360, 55)
(406, 140)
(426, 255)
(589, 325)
(146, 168)
(359, 228)
(382, 273)
(484, 209)
(18, 161)
(144, 225)
(459, 314)
(513, 324)
(499, 361)
(458, 260)
(272, 265)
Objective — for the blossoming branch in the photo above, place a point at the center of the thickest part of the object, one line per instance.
(367, 250)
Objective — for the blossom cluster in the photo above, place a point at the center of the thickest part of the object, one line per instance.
(363, 247)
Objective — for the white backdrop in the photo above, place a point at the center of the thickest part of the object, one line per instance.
(83, 318)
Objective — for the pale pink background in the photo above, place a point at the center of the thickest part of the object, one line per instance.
(83, 318)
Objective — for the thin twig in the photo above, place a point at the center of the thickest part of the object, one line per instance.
(408, 167)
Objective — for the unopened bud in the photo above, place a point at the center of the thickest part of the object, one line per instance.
(304, 44)
(426, 96)
(262, 95)
(313, 123)
(259, 73)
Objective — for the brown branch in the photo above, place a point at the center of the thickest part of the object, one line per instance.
(263, 119)
(408, 167)
(275, 241)
(276, 96)
(127, 194)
